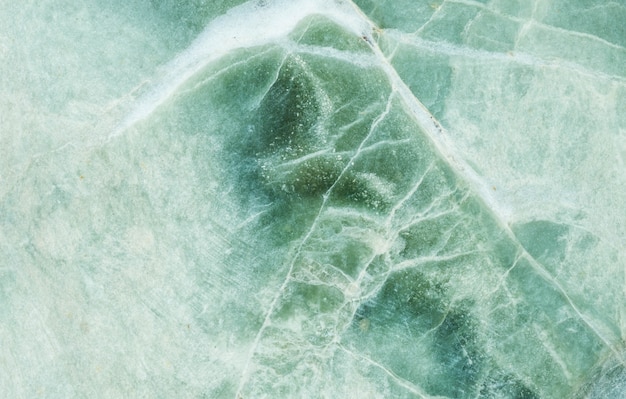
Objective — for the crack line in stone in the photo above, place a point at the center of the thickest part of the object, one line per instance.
(538, 23)
(401, 381)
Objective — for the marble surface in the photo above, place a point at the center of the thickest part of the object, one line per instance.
(313, 198)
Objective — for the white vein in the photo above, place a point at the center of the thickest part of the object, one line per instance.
(433, 17)
(518, 57)
(396, 378)
(534, 22)
(264, 24)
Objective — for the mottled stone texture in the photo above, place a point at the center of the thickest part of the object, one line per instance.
(312, 199)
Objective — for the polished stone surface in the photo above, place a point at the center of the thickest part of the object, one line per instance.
(313, 198)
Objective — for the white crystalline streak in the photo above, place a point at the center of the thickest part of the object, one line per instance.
(251, 24)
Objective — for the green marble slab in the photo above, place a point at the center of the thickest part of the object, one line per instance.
(313, 199)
